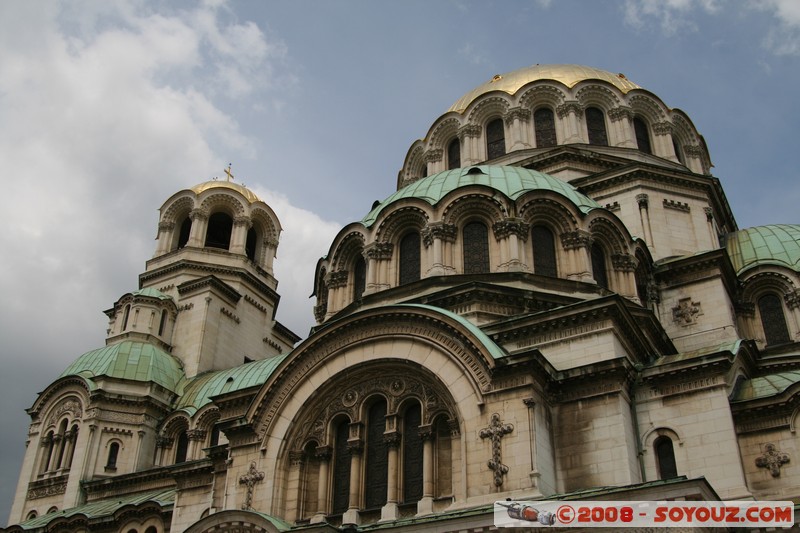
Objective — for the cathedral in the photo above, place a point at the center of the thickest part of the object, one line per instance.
(555, 303)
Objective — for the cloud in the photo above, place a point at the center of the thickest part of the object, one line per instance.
(783, 39)
(673, 16)
(471, 54)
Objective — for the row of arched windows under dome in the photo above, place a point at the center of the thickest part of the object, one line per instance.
(544, 133)
(218, 235)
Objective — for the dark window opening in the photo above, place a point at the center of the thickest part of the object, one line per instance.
(409, 258)
(678, 152)
(181, 448)
(214, 440)
(218, 235)
(186, 229)
(163, 322)
(773, 319)
(454, 154)
(642, 135)
(476, 248)
(341, 468)
(665, 458)
(596, 127)
(544, 251)
(377, 456)
(113, 452)
(125, 317)
(412, 455)
(599, 271)
(495, 139)
(544, 126)
(359, 278)
(250, 245)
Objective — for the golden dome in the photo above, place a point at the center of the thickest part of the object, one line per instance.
(569, 75)
(222, 184)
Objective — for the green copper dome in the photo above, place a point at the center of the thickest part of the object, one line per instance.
(511, 181)
(131, 360)
(777, 244)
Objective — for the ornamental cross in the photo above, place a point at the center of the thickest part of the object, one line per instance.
(229, 173)
(772, 459)
(252, 477)
(495, 431)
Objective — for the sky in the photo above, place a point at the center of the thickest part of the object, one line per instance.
(107, 108)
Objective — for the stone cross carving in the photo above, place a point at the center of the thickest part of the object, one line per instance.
(252, 477)
(495, 431)
(772, 459)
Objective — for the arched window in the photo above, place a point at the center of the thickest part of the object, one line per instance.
(476, 248)
(214, 440)
(152, 529)
(359, 278)
(544, 126)
(113, 452)
(48, 455)
(773, 320)
(218, 235)
(125, 315)
(596, 126)
(495, 139)
(409, 258)
(250, 244)
(544, 251)
(181, 448)
(642, 135)
(412, 454)
(665, 458)
(52, 510)
(72, 439)
(341, 468)
(454, 154)
(641, 277)
(163, 322)
(62, 437)
(678, 152)
(377, 457)
(599, 271)
(31, 515)
(186, 229)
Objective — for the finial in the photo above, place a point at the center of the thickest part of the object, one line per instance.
(228, 172)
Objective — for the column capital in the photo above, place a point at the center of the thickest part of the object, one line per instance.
(378, 250)
(571, 106)
(438, 230)
(509, 226)
(576, 239)
(643, 200)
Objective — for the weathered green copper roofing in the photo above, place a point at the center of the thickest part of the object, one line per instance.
(98, 509)
(494, 350)
(511, 181)
(153, 293)
(199, 390)
(765, 386)
(133, 360)
(279, 524)
(777, 244)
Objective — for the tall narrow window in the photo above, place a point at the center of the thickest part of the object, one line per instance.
(250, 244)
(219, 231)
(341, 468)
(599, 265)
(641, 277)
(409, 258)
(544, 251)
(163, 322)
(182, 448)
(186, 228)
(773, 320)
(113, 452)
(665, 458)
(596, 126)
(476, 248)
(642, 135)
(377, 457)
(359, 278)
(678, 152)
(48, 455)
(544, 125)
(495, 139)
(125, 317)
(62, 433)
(214, 440)
(454, 154)
(412, 455)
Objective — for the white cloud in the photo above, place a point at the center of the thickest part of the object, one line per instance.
(673, 16)
(783, 39)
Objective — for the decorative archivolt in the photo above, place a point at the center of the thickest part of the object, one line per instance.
(415, 165)
(70, 407)
(597, 95)
(233, 521)
(350, 394)
(223, 202)
(267, 223)
(348, 250)
(683, 130)
(175, 424)
(399, 221)
(763, 282)
(207, 418)
(64, 388)
(653, 433)
(535, 209)
(648, 107)
(488, 108)
(178, 209)
(444, 131)
(609, 234)
(542, 95)
(472, 206)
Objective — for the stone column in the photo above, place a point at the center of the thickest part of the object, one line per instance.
(644, 217)
(196, 439)
(434, 160)
(569, 112)
(356, 448)
(378, 256)
(621, 119)
(389, 511)
(468, 135)
(434, 236)
(268, 248)
(662, 140)
(241, 225)
(425, 505)
(324, 454)
(197, 235)
(519, 119)
(294, 485)
(576, 246)
(509, 232)
(164, 237)
(624, 268)
(337, 284)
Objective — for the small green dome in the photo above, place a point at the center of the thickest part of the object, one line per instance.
(511, 181)
(777, 244)
(152, 293)
(131, 360)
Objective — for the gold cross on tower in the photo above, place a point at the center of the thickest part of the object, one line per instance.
(228, 172)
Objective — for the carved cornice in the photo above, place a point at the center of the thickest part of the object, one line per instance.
(209, 282)
(643, 200)
(572, 106)
(47, 487)
(166, 225)
(469, 130)
(624, 262)
(571, 240)
(379, 250)
(662, 128)
(438, 230)
(433, 155)
(676, 205)
(520, 113)
(511, 226)
(337, 279)
(198, 214)
(618, 113)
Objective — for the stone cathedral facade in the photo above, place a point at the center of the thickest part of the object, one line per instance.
(555, 303)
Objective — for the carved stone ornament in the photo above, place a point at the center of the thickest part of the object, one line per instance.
(686, 312)
(70, 406)
(495, 432)
(249, 479)
(772, 459)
